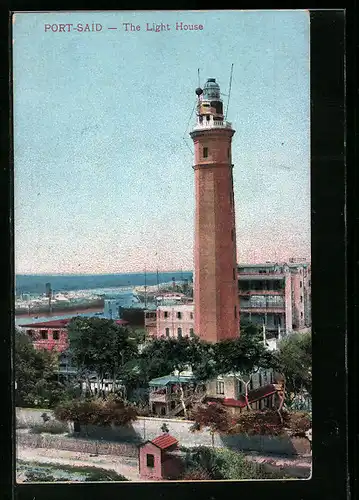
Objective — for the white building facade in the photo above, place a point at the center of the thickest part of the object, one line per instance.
(276, 296)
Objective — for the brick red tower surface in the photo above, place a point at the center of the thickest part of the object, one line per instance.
(216, 303)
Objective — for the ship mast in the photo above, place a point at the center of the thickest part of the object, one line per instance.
(145, 288)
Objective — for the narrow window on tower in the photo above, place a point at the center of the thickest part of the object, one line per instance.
(205, 152)
(229, 153)
(232, 234)
(234, 273)
(235, 311)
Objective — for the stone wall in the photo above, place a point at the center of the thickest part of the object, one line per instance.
(147, 428)
(26, 417)
(76, 444)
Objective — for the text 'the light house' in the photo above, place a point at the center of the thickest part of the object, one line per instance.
(216, 304)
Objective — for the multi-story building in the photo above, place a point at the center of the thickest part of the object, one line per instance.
(171, 321)
(276, 296)
(51, 335)
(263, 391)
(168, 394)
(165, 392)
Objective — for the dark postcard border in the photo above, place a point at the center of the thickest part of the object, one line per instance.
(7, 459)
(328, 296)
(352, 253)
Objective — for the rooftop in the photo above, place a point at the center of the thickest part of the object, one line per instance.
(170, 379)
(61, 323)
(275, 264)
(164, 441)
(177, 307)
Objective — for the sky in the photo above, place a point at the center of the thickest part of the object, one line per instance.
(103, 177)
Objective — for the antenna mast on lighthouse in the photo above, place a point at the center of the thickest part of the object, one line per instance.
(229, 92)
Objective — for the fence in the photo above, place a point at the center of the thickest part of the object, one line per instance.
(77, 445)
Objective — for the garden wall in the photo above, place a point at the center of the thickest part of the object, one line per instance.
(26, 417)
(77, 445)
(147, 428)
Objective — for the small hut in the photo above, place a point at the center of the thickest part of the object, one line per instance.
(158, 459)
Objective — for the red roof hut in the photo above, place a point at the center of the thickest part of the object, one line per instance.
(158, 460)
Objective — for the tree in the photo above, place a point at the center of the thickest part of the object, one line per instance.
(35, 374)
(294, 360)
(164, 428)
(98, 411)
(102, 347)
(213, 416)
(242, 357)
(177, 355)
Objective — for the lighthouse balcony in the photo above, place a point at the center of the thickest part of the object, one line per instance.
(206, 124)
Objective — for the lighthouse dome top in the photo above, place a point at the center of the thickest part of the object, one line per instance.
(211, 89)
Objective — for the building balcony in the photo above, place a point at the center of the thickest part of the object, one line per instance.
(167, 397)
(159, 398)
(212, 124)
(259, 276)
(247, 293)
(263, 309)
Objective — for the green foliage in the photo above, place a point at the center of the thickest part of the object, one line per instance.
(139, 335)
(105, 475)
(143, 410)
(43, 472)
(262, 422)
(164, 355)
(35, 375)
(96, 411)
(243, 355)
(213, 416)
(219, 464)
(101, 346)
(235, 465)
(164, 427)
(256, 422)
(196, 473)
(294, 360)
(204, 461)
(71, 390)
(271, 423)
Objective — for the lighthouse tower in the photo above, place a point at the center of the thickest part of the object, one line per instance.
(216, 304)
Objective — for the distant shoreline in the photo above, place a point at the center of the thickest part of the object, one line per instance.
(85, 308)
(36, 284)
